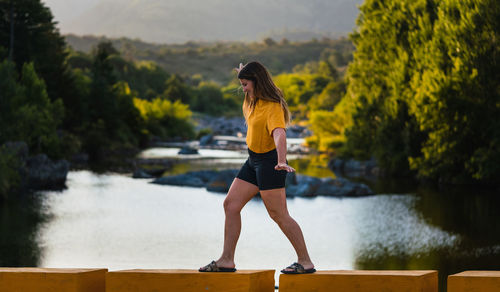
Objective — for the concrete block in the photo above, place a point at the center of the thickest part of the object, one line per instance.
(361, 281)
(474, 281)
(139, 280)
(52, 280)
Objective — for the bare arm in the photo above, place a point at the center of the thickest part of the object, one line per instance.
(279, 136)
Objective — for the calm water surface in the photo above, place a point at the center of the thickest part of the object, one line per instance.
(114, 221)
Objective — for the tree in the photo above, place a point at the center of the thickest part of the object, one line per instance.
(176, 89)
(33, 37)
(113, 119)
(424, 88)
(27, 114)
(456, 84)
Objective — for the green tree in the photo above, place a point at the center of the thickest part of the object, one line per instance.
(176, 89)
(457, 94)
(27, 114)
(211, 100)
(166, 119)
(35, 39)
(103, 104)
(9, 172)
(113, 118)
(424, 88)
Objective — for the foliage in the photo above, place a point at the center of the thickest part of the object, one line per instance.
(26, 112)
(313, 86)
(177, 89)
(37, 41)
(9, 173)
(314, 94)
(328, 127)
(147, 78)
(210, 99)
(212, 60)
(166, 119)
(148, 81)
(424, 88)
(112, 116)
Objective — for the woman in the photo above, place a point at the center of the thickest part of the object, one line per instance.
(266, 114)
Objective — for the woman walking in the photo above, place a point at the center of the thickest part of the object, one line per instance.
(266, 114)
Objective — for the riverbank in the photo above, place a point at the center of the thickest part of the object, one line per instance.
(23, 172)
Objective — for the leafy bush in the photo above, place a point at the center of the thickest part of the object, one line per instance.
(166, 119)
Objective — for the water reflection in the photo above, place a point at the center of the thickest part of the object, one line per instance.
(471, 215)
(470, 212)
(312, 165)
(20, 218)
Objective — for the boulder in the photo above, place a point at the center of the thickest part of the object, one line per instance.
(307, 186)
(296, 185)
(180, 180)
(355, 168)
(192, 179)
(205, 175)
(141, 173)
(155, 171)
(304, 190)
(188, 150)
(341, 187)
(206, 140)
(302, 186)
(43, 173)
(19, 149)
(222, 181)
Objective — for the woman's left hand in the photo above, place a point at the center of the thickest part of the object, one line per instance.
(284, 166)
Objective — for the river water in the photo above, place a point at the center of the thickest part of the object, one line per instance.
(117, 222)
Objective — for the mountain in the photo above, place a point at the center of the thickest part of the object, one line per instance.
(215, 60)
(176, 21)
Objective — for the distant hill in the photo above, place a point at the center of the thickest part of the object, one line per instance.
(175, 21)
(216, 60)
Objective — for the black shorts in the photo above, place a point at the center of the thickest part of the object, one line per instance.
(259, 170)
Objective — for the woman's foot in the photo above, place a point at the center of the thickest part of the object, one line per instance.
(219, 266)
(298, 268)
(225, 263)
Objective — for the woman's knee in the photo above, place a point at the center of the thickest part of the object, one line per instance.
(231, 207)
(279, 216)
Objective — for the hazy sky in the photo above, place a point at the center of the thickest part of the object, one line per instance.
(184, 20)
(66, 10)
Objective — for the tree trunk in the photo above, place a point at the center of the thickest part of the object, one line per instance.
(11, 49)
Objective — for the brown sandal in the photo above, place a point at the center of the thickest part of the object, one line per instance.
(212, 267)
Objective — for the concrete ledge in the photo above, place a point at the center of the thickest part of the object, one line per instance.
(474, 281)
(361, 281)
(52, 280)
(189, 280)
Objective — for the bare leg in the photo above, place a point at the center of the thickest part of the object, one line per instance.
(238, 195)
(275, 201)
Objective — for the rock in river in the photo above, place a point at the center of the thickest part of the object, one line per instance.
(43, 173)
(222, 181)
(191, 179)
(297, 185)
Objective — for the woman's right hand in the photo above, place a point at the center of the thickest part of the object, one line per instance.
(239, 69)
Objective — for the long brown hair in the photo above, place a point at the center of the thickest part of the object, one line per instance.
(264, 88)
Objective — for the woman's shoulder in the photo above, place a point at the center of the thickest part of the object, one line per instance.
(268, 103)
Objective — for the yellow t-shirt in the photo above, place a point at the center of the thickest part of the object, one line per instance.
(266, 116)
